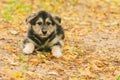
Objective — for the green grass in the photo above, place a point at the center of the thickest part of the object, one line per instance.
(26, 66)
(14, 7)
(22, 58)
(118, 78)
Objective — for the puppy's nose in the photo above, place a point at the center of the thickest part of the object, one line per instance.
(44, 32)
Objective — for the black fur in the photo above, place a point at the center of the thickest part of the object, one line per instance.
(38, 39)
(43, 15)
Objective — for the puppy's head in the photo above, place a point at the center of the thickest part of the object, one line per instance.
(43, 23)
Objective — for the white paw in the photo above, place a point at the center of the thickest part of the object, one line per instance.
(29, 48)
(56, 51)
(57, 54)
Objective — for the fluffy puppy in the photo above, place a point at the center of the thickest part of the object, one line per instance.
(45, 33)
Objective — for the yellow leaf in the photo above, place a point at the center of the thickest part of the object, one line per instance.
(17, 75)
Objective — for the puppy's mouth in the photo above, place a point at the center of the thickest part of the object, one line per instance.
(44, 35)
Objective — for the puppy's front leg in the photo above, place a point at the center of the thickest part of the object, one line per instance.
(56, 51)
(28, 48)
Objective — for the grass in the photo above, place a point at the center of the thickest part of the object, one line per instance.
(15, 6)
(26, 66)
(22, 58)
(118, 78)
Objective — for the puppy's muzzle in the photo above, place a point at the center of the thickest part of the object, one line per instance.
(44, 30)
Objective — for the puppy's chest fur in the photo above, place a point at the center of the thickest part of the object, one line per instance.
(43, 43)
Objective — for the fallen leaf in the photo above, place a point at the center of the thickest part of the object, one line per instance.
(34, 61)
(53, 73)
(17, 75)
(14, 32)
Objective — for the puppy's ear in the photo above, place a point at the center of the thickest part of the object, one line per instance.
(58, 19)
(31, 17)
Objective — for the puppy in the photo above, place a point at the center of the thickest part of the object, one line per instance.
(45, 33)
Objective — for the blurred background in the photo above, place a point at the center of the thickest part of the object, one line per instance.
(81, 11)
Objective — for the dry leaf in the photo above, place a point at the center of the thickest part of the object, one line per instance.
(34, 61)
(53, 73)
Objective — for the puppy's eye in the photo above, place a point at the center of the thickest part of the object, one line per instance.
(39, 23)
(48, 23)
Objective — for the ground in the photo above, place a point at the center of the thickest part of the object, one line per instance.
(91, 50)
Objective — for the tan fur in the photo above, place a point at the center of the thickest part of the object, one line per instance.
(38, 28)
